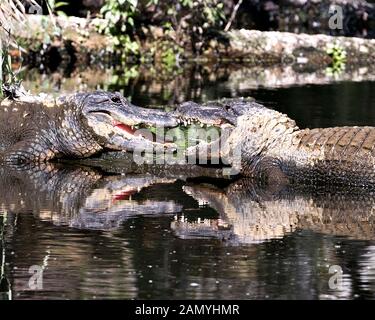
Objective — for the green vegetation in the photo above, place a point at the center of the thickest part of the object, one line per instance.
(8, 76)
(119, 16)
(10, 12)
(54, 7)
(184, 23)
(122, 79)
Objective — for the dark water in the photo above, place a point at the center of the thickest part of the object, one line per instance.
(99, 235)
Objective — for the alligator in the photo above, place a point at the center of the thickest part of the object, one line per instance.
(263, 143)
(73, 126)
(254, 141)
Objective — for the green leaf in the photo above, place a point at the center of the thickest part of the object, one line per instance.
(131, 21)
(151, 2)
(60, 4)
(61, 14)
(134, 3)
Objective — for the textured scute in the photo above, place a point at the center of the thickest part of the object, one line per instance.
(342, 155)
(34, 132)
(271, 143)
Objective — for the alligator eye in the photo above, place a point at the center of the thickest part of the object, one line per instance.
(116, 99)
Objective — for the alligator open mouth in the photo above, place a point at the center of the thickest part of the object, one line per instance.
(128, 127)
(213, 122)
(190, 128)
(131, 128)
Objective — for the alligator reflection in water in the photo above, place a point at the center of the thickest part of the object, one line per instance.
(80, 197)
(99, 262)
(89, 198)
(250, 213)
(143, 259)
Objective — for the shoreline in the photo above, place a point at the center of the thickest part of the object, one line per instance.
(71, 40)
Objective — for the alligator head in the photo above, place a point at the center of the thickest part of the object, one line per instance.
(246, 129)
(220, 129)
(118, 123)
(77, 126)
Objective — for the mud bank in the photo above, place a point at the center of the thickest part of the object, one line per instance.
(274, 47)
(62, 41)
(71, 39)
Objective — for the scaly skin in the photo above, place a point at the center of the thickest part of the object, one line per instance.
(31, 132)
(342, 155)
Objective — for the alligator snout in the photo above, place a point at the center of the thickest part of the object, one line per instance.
(191, 112)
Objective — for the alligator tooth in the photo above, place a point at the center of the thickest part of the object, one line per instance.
(185, 123)
(202, 125)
